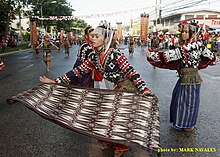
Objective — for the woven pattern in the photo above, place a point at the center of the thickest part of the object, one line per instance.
(119, 117)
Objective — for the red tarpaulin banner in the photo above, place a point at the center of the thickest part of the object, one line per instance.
(69, 36)
(144, 26)
(119, 31)
(33, 34)
(61, 35)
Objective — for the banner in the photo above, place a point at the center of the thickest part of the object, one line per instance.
(144, 26)
(69, 37)
(33, 33)
(56, 18)
(119, 31)
(61, 35)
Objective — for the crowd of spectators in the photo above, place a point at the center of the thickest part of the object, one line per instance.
(168, 40)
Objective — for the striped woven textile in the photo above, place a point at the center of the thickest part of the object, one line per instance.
(119, 117)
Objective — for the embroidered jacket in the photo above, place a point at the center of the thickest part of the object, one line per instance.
(84, 51)
(114, 67)
(191, 55)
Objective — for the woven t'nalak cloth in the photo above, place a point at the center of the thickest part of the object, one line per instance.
(119, 117)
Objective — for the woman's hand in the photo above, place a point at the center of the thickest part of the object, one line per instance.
(147, 92)
(150, 95)
(44, 79)
(148, 51)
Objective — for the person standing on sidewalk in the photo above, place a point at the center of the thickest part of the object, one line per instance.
(187, 59)
(112, 65)
(47, 52)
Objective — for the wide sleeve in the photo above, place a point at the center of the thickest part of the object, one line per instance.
(84, 52)
(130, 73)
(170, 59)
(207, 57)
(77, 72)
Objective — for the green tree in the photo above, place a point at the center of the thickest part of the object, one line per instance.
(52, 8)
(7, 13)
(78, 25)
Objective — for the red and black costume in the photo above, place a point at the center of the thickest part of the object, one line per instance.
(114, 67)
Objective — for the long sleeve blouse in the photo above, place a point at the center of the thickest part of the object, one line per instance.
(191, 55)
(84, 51)
(114, 67)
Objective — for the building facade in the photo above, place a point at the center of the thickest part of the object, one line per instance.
(205, 17)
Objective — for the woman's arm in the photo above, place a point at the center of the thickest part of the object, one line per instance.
(170, 59)
(54, 45)
(73, 75)
(207, 57)
(40, 44)
(131, 74)
(44, 79)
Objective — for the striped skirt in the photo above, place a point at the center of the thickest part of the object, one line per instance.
(184, 105)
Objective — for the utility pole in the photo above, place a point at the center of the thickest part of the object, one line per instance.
(41, 14)
(160, 12)
(156, 16)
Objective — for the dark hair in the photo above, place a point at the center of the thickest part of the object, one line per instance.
(193, 28)
(88, 30)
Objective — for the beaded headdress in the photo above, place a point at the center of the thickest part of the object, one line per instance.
(107, 32)
(194, 27)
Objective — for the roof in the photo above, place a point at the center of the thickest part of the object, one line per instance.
(210, 7)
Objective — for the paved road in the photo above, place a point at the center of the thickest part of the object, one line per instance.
(25, 134)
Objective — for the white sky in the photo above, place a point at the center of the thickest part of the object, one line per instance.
(123, 10)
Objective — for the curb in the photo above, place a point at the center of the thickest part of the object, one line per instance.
(9, 53)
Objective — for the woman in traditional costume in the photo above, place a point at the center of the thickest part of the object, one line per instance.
(47, 52)
(66, 47)
(187, 59)
(131, 45)
(112, 65)
(84, 51)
